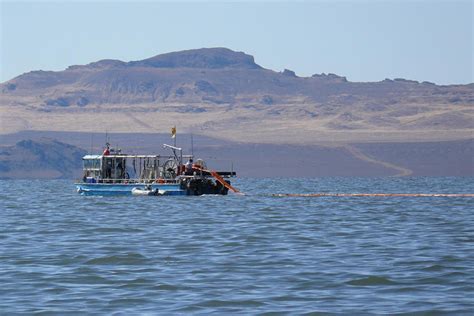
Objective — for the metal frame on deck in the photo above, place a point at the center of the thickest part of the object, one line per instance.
(116, 168)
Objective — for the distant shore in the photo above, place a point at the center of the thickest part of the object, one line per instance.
(438, 158)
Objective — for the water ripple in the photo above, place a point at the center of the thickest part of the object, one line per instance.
(256, 254)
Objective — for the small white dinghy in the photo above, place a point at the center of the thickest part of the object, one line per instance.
(145, 191)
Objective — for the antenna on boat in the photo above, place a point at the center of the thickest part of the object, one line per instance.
(92, 142)
(192, 145)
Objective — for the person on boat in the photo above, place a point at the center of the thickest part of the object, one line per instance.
(106, 150)
(108, 162)
(189, 167)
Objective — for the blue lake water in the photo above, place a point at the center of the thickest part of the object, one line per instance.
(61, 252)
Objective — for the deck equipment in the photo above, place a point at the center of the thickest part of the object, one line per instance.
(115, 173)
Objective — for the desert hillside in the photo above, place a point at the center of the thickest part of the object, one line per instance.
(41, 158)
(225, 94)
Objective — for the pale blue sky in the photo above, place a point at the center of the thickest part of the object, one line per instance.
(363, 40)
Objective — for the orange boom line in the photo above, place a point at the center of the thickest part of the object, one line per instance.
(373, 195)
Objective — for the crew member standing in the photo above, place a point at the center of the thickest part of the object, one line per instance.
(189, 167)
(106, 150)
(108, 162)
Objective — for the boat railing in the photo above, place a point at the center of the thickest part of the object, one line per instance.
(129, 181)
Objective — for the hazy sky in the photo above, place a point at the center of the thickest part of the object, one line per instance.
(363, 40)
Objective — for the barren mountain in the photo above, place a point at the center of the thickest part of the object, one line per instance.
(222, 93)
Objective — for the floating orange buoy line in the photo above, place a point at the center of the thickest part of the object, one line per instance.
(373, 195)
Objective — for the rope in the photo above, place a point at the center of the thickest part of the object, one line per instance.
(372, 195)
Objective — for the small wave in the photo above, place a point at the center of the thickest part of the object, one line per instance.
(135, 283)
(166, 287)
(222, 303)
(371, 280)
(56, 290)
(291, 298)
(451, 259)
(126, 302)
(434, 267)
(87, 279)
(115, 230)
(127, 259)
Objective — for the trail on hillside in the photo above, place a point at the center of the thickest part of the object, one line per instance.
(402, 172)
(140, 122)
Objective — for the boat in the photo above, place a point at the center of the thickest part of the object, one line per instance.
(147, 191)
(116, 173)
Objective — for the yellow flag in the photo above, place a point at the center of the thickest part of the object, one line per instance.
(173, 132)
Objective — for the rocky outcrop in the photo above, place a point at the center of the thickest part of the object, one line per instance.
(205, 58)
(329, 77)
(289, 73)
